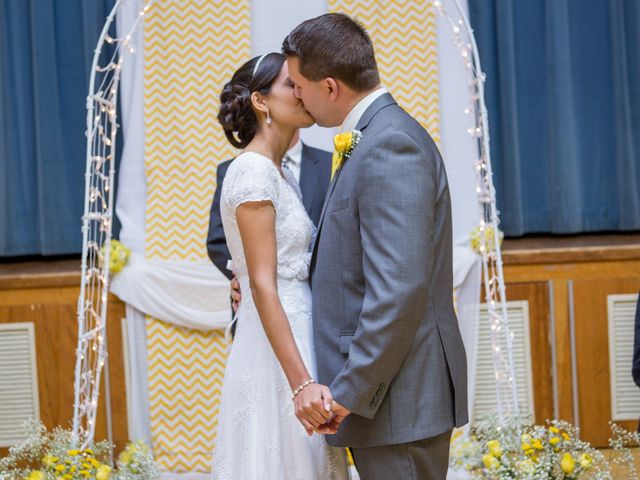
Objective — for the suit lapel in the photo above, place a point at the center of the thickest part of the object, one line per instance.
(309, 177)
(381, 102)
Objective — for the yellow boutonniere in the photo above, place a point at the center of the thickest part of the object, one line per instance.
(344, 143)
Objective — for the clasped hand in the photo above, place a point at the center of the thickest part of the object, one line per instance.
(318, 411)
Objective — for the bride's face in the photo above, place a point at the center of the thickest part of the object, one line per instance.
(285, 108)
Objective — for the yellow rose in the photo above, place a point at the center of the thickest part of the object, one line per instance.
(73, 452)
(494, 448)
(35, 475)
(125, 457)
(60, 468)
(490, 461)
(537, 444)
(554, 441)
(566, 436)
(585, 460)
(567, 463)
(342, 142)
(554, 430)
(103, 473)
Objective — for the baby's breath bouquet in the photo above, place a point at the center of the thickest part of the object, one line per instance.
(515, 449)
(621, 442)
(47, 455)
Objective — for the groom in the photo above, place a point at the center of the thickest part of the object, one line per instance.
(386, 334)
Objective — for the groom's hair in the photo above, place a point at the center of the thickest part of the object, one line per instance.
(337, 46)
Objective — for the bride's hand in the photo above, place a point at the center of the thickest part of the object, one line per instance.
(313, 407)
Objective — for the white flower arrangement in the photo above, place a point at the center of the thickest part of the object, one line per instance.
(623, 460)
(47, 455)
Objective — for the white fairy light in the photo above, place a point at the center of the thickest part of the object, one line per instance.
(501, 337)
(101, 135)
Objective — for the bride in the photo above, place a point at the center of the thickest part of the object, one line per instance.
(271, 365)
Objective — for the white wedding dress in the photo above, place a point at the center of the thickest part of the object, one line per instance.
(259, 437)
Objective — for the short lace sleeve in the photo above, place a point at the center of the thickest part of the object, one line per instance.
(250, 178)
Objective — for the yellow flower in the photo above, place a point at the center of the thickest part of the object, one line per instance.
(73, 452)
(566, 436)
(490, 461)
(537, 444)
(60, 468)
(554, 441)
(494, 448)
(525, 438)
(125, 457)
(554, 430)
(585, 460)
(526, 446)
(35, 475)
(88, 451)
(49, 460)
(67, 476)
(94, 462)
(343, 142)
(103, 473)
(118, 258)
(567, 463)
(85, 473)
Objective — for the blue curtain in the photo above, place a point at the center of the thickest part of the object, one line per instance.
(563, 95)
(46, 49)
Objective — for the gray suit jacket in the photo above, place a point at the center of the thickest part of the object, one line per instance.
(315, 170)
(386, 333)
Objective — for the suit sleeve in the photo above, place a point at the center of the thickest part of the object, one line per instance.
(636, 347)
(397, 192)
(216, 242)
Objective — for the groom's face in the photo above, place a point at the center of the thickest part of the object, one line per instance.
(315, 96)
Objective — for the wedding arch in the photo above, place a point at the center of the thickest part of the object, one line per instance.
(102, 128)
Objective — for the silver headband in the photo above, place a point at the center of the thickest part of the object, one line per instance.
(255, 69)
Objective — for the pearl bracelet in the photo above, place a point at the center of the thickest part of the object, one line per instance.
(302, 387)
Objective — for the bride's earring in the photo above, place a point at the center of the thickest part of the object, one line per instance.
(268, 117)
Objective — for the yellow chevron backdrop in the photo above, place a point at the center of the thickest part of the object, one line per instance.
(404, 37)
(191, 48)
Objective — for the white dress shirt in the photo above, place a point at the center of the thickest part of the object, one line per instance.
(293, 160)
(352, 119)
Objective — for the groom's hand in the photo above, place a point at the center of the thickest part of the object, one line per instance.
(313, 407)
(235, 293)
(339, 414)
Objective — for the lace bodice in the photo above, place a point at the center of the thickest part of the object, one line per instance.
(254, 177)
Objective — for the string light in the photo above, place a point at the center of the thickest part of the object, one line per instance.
(493, 277)
(101, 133)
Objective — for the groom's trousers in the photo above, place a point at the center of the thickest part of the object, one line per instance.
(426, 459)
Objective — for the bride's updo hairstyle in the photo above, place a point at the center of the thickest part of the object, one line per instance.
(236, 115)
